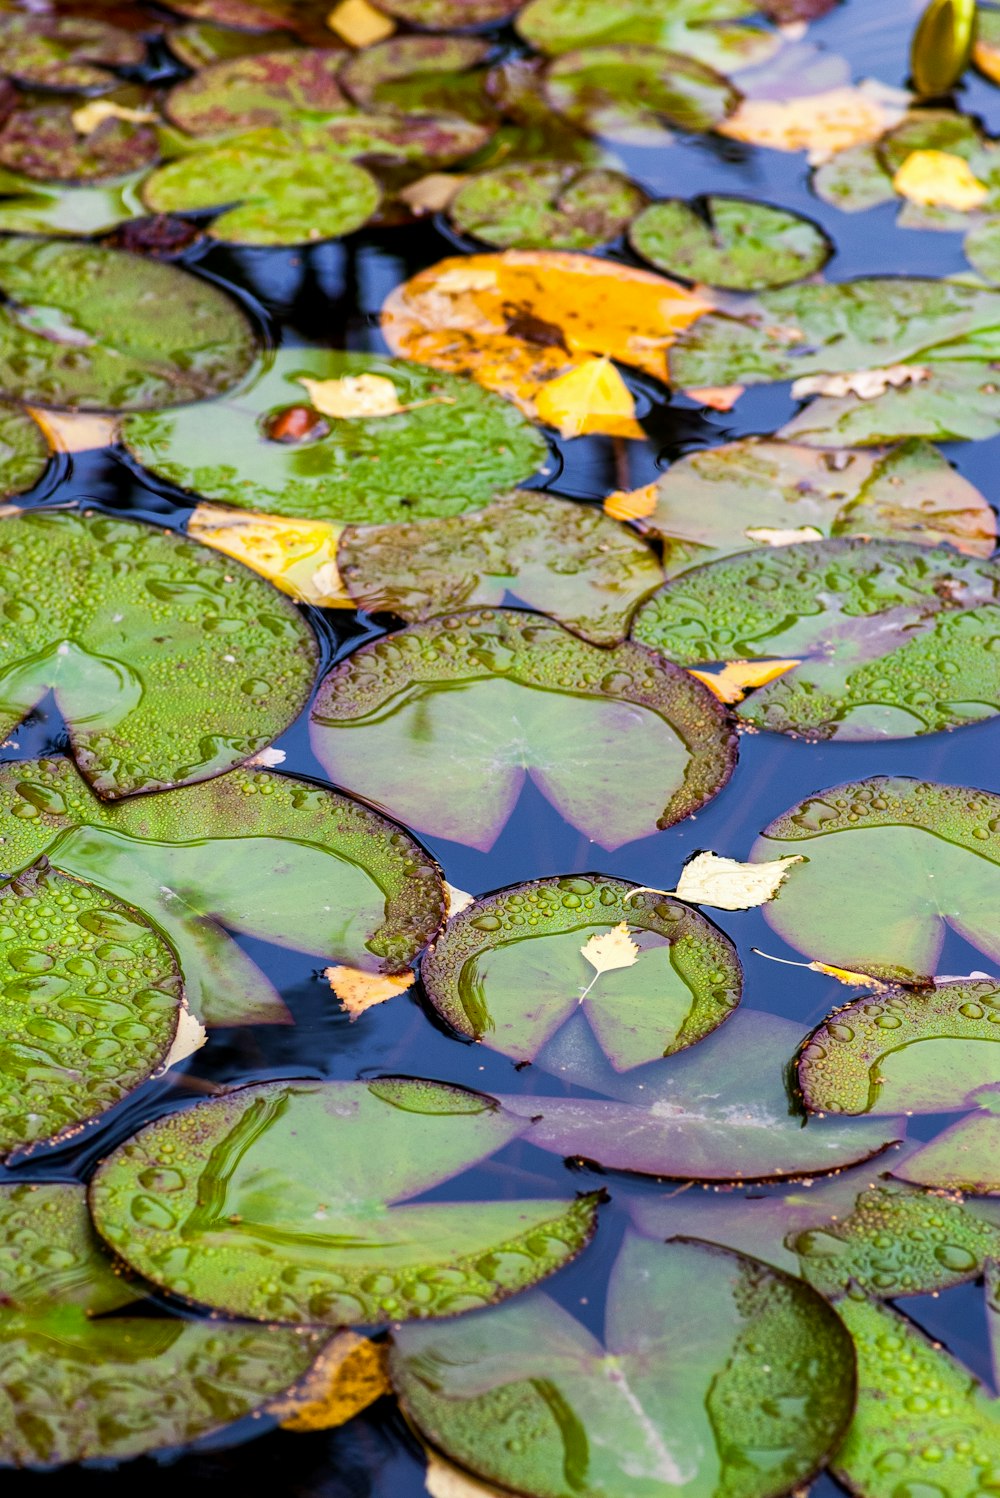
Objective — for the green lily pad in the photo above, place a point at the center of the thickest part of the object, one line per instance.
(442, 723)
(79, 1385)
(716, 1374)
(418, 140)
(69, 52)
(719, 1111)
(632, 94)
(251, 851)
(922, 1424)
(44, 208)
(410, 74)
(982, 249)
(566, 560)
(752, 493)
(95, 329)
(169, 662)
(24, 452)
(199, 44)
(892, 865)
(292, 1201)
(714, 31)
(541, 205)
(307, 18)
(729, 242)
(927, 664)
(42, 142)
(854, 180)
(458, 447)
(509, 970)
(249, 93)
(91, 998)
(450, 15)
(964, 1156)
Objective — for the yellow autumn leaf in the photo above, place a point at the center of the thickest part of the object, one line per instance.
(867, 384)
(986, 57)
(633, 504)
(593, 397)
(727, 884)
(608, 950)
(76, 431)
(736, 678)
(820, 124)
(364, 395)
(940, 179)
(442, 1480)
(433, 193)
(298, 556)
(358, 990)
(350, 1374)
(89, 116)
(842, 974)
(359, 24)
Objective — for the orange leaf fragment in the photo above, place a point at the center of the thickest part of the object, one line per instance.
(717, 397)
(350, 1374)
(737, 678)
(821, 124)
(632, 504)
(359, 24)
(76, 431)
(358, 990)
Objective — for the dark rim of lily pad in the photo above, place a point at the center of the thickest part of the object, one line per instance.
(66, 52)
(182, 1201)
(628, 92)
(545, 205)
(42, 142)
(266, 88)
(729, 242)
(24, 452)
(449, 15)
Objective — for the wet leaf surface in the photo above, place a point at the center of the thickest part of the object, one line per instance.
(43, 142)
(542, 206)
(24, 452)
(266, 88)
(410, 74)
(729, 242)
(65, 52)
(633, 94)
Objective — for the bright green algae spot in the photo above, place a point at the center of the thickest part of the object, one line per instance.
(508, 970)
(74, 1388)
(449, 455)
(715, 1374)
(632, 94)
(89, 1001)
(567, 560)
(893, 639)
(546, 206)
(24, 452)
(619, 741)
(290, 1201)
(715, 31)
(251, 851)
(729, 242)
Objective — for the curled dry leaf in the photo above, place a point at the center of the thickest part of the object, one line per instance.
(737, 678)
(768, 535)
(940, 179)
(298, 556)
(433, 193)
(350, 1374)
(632, 504)
(820, 124)
(359, 24)
(728, 884)
(867, 384)
(76, 431)
(358, 990)
(842, 974)
(95, 112)
(458, 899)
(189, 1037)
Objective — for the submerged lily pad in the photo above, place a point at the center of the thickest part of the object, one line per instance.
(542, 205)
(24, 452)
(442, 723)
(731, 242)
(509, 970)
(632, 94)
(926, 665)
(91, 998)
(168, 662)
(251, 851)
(42, 141)
(80, 1385)
(716, 1374)
(715, 31)
(455, 449)
(566, 560)
(96, 329)
(292, 1201)
(266, 88)
(892, 865)
(70, 52)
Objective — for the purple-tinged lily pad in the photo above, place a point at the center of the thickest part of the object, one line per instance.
(42, 142)
(420, 74)
(250, 93)
(65, 52)
(199, 44)
(540, 205)
(634, 94)
(306, 18)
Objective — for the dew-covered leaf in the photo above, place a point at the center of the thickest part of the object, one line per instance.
(266, 88)
(456, 449)
(250, 852)
(566, 560)
(65, 52)
(963, 1157)
(292, 1201)
(633, 94)
(714, 31)
(442, 723)
(926, 665)
(24, 452)
(716, 1374)
(511, 969)
(730, 242)
(46, 143)
(545, 205)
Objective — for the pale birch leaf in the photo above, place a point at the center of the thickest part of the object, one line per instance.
(358, 990)
(728, 884)
(607, 950)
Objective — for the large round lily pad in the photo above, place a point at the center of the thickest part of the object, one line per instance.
(632, 94)
(91, 997)
(716, 1374)
(566, 560)
(253, 852)
(42, 141)
(267, 88)
(890, 640)
(730, 242)
(715, 31)
(24, 452)
(290, 1201)
(454, 449)
(100, 330)
(511, 968)
(70, 52)
(441, 724)
(545, 206)
(79, 1385)
(893, 864)
(169, 662)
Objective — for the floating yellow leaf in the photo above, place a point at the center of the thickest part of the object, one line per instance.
(350, 1374)
(821, 124)
(442, 1480)
(358, 990)
(716, 397)
(76, 431)
(433, 193)
(89, 116)
(593, 397)
(298, 556)
(632, 504)
(867, 384)
(458, 899)
(941, 180)
(359, 24)
(355, 396)
(842, 974)
(728, 884)
(608, 950)
(736, 678)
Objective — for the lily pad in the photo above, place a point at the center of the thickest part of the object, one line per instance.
(24, 452)
(307, 18)
(509, 970)
(441, 724)
(964, 1156)
(292, 1201)
(266, 88)
(251, 851)
(80, 1385)
(928, 663)
(42, 142)
(52, 209)
(892, 865)
(85, 327)
(541, 205)
(66, 52)
(716, 1374)
(91, 998)
(566, 560)
(169, 662)
(450, 15)
(714, 31)
(632, 94)
(854, 180)
(730, 242)
(409, 74)
(982, 249)
(199, 44)
(454, 450)
(720, 1111)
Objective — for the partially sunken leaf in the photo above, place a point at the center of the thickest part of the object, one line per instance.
(67, 52)
(266, 855)
(246, 93)
(24, 452)
(821, 124)
(350, 1374)
(199, 43)
(728, 884)
(566, 560)
(737, 678)
(633, 94)
(168, 663)
(730, 242)
(619, 741)
(454, 450)
(298, 556)
(57, 142)
(940, 179)
(891, 865)
(652, 976)
(716, 1374)
(359, 991)
(714, 31)
(288, 1201)
(78, 1385)
(928, 663)
(544, 205)
(95, 329)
